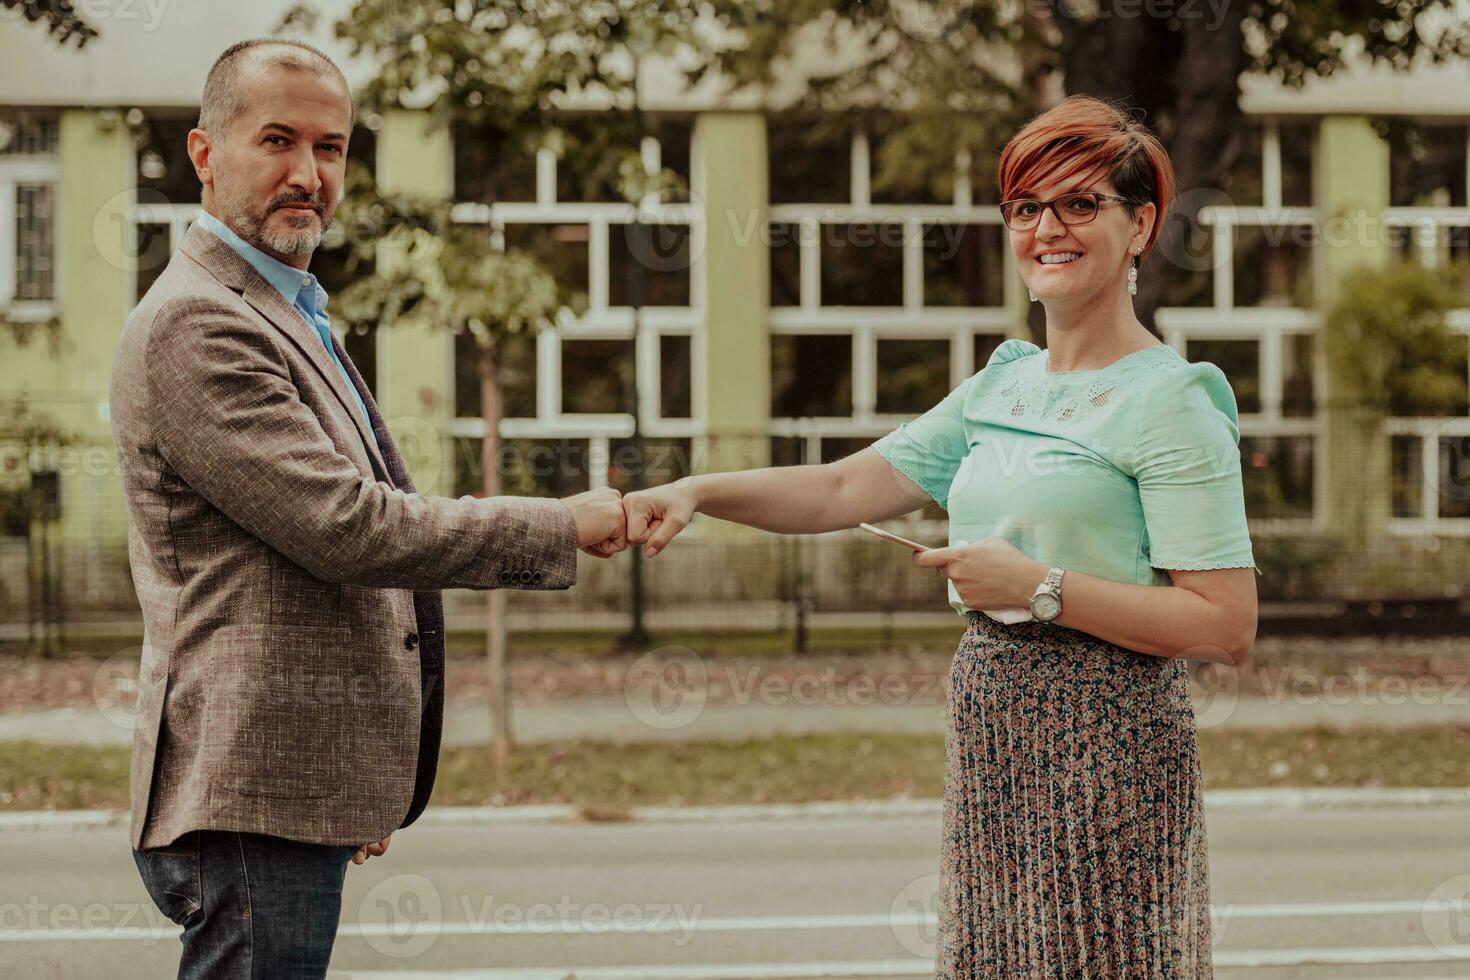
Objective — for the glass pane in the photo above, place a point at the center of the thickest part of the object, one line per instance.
(661, 461)
(1408, 475)
(811, 375)
(1297, 392)
(153, 253)
(785, 264)
(1427, 166)
(913, 375)
(788, 451)
(1273, 265)
(528, 467)
(1243, 183)
(361, 344)
(517, 356)
(489, 168)
(674, 137)
(1240, 360)
(841, 447)
(675, 400)
(35, 249)
(985, 345)
(1186, 261)
(29, 133)
(663, 258)
(1298, 144)
(897, 177)
(562, 247)
(597, 376)
(595, 151)
(1454, 476)
(165, 172)
(810, 160)
(1276, 472)
(963, 265)
(862, 264)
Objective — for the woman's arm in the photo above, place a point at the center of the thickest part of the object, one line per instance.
(1203, 615)
(783, 499)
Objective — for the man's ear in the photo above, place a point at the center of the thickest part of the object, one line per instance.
(200, 152)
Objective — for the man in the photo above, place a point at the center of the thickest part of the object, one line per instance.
(291, 685)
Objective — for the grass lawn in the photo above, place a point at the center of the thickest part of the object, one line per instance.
(606, 779)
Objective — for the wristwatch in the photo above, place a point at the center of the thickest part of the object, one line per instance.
(1046, 601)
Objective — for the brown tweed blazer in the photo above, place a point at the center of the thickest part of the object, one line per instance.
(291, 677)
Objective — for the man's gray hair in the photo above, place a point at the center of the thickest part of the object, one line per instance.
(222, 101)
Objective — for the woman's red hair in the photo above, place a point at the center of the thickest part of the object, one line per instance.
(1085, 135)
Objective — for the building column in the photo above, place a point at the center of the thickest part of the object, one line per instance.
(1352, 191)
(730, 281)
(96, 262)
(415, 360)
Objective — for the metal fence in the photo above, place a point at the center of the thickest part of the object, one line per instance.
(1364, 543)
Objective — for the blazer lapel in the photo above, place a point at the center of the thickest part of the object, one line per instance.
(235, 272)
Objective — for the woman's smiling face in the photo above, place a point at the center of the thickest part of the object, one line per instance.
(1071, 263)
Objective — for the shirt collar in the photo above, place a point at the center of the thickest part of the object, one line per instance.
(298, 287)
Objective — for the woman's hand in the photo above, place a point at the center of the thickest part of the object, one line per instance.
(989, 574)
(655, 516)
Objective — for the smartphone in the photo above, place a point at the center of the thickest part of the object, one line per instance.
(890, 536)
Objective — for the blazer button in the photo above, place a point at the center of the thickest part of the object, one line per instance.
(505, 575)
(536, 576)
(411, 640)
(525, 576)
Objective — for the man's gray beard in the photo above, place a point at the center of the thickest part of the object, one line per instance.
(252, 228)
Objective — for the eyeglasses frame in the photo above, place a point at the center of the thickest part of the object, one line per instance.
(1004, 217)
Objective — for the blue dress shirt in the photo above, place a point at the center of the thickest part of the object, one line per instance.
(299, 288)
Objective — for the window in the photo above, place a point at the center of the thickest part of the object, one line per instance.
(883, 297)
(28, 208)
(1240, 294)
(573, 388)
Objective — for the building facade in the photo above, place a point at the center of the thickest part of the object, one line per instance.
(792, 313)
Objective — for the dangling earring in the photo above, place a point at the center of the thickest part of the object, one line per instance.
(1133, 275)
(1031, 294)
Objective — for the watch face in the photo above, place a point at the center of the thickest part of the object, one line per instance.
(1045, 606)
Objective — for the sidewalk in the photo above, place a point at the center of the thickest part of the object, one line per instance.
(613, 718)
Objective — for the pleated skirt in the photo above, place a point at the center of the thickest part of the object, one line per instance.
(1074, 837)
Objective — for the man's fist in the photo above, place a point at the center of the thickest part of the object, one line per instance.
(601, 527)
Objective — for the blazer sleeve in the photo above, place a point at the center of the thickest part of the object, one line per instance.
(229, 420)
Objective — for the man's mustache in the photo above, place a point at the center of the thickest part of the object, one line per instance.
(285, 200)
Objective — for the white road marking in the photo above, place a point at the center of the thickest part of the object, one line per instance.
(756, 923)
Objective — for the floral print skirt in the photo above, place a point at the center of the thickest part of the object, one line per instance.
(1074, 837)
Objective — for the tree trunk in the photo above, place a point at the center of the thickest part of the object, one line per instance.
(1187, 82)
(501, 739)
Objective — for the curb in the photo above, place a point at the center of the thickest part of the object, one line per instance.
(1304, 800)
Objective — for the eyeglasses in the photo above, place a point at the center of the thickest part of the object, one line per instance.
(1077, 208)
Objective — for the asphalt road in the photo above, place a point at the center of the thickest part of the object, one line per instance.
(1355, 890)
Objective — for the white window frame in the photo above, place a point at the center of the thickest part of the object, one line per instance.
(601, 320)
(866, 325)
(1267, 325)
(16, 170)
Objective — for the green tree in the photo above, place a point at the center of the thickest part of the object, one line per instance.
(61, 19)
(502, 72)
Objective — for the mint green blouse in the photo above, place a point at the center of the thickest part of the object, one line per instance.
(1120, 472)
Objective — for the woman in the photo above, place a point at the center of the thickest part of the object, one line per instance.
(1074, 839)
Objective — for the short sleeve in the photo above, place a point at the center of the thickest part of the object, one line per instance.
(930, 449)
(1187, 465)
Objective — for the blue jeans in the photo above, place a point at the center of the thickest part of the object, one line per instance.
(251, 905)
